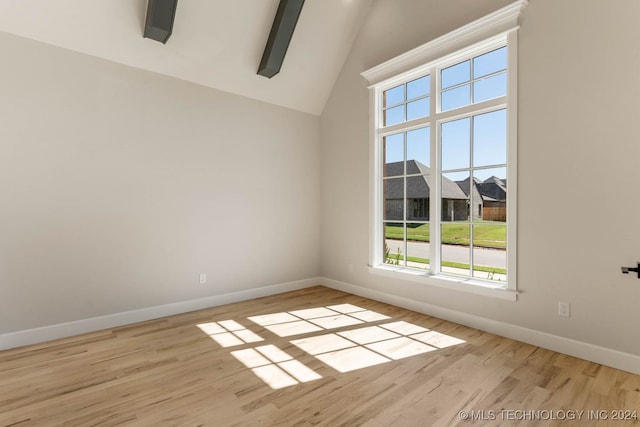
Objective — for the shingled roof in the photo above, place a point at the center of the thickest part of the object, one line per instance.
(464, 184)
(417, 186)
(491, 189)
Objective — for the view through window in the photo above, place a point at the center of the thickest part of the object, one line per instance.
(443, 174)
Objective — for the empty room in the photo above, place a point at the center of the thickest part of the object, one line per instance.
(323, 212)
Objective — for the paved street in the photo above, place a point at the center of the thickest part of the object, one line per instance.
(482, 256)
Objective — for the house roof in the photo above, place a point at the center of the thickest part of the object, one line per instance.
(493, 188)
(495, 180)
(464, 184)
(417, 186)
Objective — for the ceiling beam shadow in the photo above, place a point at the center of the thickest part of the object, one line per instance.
(280, 36)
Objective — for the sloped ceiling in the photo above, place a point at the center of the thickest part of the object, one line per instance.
(215, 43)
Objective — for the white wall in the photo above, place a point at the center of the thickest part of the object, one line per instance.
(578, 163)
(119, 186)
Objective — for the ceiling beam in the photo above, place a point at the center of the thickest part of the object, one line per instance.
(160, 16)
(280, 36)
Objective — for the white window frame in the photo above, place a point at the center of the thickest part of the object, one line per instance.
(493, 31)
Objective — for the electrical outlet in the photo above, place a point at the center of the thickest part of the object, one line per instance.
(350, 268)
(203, 278)
(564, 309)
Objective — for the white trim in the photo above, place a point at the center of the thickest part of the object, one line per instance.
(591, 352)
(483, 35)
(434, 122)
(444, 61)
(462, 284)
(512, 160)
(594, 353)
(500, 21)
(68, 329)
(375, 190)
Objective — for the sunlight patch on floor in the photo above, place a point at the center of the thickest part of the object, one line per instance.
(437, 339)
(334, 322)
(312, 313)
(404, 328)
(275, 367)
(229, 333)
(399, 348)
(322, 344)
(363, 347)
(346, 350)
(369, 316)
(368, 335)
(272, 319)
(351, 359)
(293, 328)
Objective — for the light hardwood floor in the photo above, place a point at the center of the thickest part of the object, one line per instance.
(309, 368)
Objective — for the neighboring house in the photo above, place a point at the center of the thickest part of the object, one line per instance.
(455, 205)
(489, 196)
(493, 195)
(477, 198)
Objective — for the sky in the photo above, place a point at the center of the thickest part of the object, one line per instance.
(470, 81)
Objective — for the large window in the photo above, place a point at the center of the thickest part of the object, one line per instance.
(444, 167)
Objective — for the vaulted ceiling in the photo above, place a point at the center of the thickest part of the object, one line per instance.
(215, 43)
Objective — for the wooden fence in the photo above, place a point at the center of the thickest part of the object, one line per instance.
(494, 214)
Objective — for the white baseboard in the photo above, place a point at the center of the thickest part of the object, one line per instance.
(63, 330)
(593, 353)
(605, 356)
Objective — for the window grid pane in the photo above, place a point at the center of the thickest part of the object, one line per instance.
(490, 62)
(394, 96)
(471, 180)
(406, 193)
(393, 243)
(473, 81)
(419, 88)
(473, 224)
(406, 102)
(418, 236)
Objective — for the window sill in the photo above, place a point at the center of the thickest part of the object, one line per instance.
(476, 287)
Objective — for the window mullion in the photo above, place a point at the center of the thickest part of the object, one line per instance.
(405, 126)
(434, 206)
(512, 157)
(472, 109)
(404, 200)
(404, 104)
(471, 187)
(376, 157)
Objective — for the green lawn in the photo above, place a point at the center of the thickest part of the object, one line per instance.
(486, 234)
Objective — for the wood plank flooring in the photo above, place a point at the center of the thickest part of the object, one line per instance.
(350, 362)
